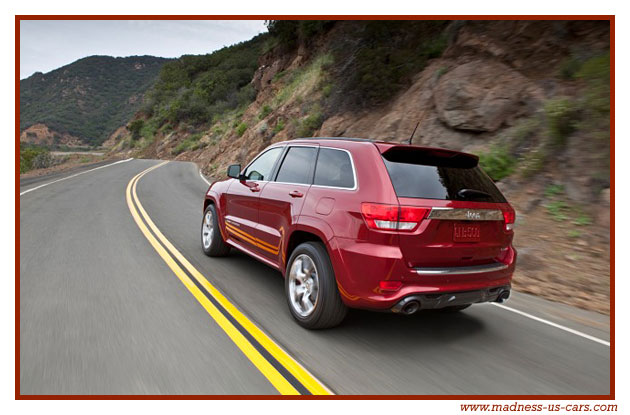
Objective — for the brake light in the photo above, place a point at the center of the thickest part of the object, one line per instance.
(411, 216)
(393, 217)
(509, 217)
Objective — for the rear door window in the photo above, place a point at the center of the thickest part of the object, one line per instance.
(334, 169)
(416, 173)
(297, 166)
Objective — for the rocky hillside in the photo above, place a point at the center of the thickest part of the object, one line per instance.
(86, 101)
(531, 98)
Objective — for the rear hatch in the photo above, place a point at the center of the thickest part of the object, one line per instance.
(467, 220)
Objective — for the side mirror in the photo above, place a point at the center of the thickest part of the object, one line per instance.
(234, 171)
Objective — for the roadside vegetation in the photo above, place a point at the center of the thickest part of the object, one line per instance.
(34, 157)
(199, 89)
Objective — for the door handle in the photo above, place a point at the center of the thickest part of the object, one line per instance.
(255, 188)
(296, 193)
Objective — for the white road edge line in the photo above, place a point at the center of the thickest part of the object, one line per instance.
(203, 178)
(74, 175)
(552, 324)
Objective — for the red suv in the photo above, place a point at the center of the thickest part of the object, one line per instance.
(366, 224)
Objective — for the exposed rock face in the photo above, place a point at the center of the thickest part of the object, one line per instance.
(479, 96)
(42, 135)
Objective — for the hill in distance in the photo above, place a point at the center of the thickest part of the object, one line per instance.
(87, 99)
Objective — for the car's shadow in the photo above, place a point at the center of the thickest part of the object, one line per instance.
(427, 328)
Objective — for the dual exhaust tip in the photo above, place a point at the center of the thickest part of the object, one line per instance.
(411, 305)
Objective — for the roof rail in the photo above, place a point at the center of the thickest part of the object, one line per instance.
(367, 140)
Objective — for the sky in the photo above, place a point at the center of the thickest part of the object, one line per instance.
(47, 45)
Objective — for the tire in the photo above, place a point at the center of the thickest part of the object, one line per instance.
(327, 308)
(454, 309)
(212, 245)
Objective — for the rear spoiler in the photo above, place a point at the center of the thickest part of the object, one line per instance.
(427, 156)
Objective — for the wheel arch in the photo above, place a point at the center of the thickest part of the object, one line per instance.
(301, 234)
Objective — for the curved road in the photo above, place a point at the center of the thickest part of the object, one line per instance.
(102, 313)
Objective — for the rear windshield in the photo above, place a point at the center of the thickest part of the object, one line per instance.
(415, 175)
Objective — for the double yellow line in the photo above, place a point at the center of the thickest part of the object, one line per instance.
(282, 371)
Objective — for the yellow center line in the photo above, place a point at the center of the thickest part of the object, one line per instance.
(271, 373)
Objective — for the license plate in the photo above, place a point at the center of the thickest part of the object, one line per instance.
(466, 232)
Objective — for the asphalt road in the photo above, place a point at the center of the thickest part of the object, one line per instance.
(102, 313)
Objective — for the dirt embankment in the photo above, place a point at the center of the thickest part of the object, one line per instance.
(40, 134)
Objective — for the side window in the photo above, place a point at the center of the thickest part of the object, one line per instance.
(261, 168)
(334, 168)
(297, 166)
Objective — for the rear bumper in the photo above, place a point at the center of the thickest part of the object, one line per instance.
(359, 267)
(415, 302)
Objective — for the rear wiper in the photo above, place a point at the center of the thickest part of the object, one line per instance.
(472, 194)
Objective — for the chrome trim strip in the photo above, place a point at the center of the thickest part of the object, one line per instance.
(465, 214)
(474, 269)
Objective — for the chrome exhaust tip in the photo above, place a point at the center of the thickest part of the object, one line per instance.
(407, 306)
(503, 296)
(411, 307)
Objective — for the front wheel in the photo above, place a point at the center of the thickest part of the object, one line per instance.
(212, 241)
(311, 288)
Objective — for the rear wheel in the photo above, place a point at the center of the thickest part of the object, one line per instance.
(212, 241)
(311, 288)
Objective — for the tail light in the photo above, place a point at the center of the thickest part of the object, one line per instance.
(393, 217)
(509, 217)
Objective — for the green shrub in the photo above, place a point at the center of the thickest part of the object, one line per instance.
(42, 160)
(190, 143)
(498, 163)
(266, 110)
(279, 127)
(561, 119)
(570, 67)
(34, 157)
(582, 220)
(240, 130)
(558, 210)
(135, 127)
(595, 73)
(554, 190)
(327, 90)
(288, 32)
(310, 124)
